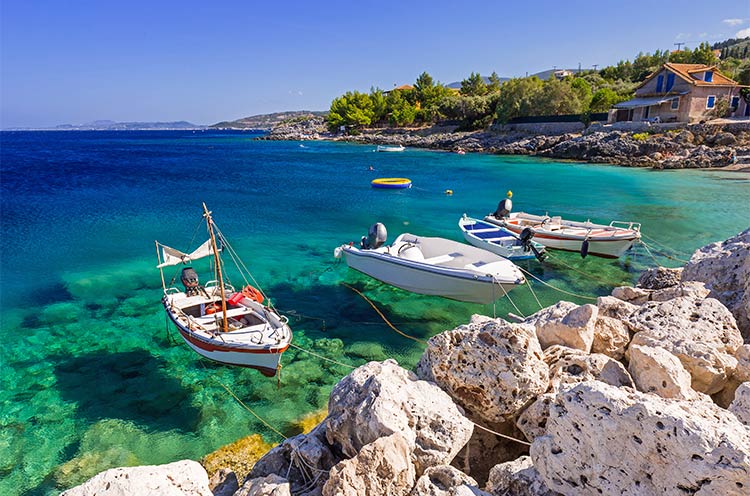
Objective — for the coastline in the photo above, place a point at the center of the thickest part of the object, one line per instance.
(723, 145)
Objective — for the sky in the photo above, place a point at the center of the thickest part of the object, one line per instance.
(76, 61)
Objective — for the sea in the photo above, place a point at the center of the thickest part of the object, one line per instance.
(92, 375)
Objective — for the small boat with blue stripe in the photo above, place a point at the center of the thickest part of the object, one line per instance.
(498, 240)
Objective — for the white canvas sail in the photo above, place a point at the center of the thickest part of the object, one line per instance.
(175, 257)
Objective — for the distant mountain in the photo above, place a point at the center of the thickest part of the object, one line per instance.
(266, 121)
(456, 85)
(106, 125)
(738, 48)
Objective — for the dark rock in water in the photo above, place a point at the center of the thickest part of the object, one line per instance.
(659, 278)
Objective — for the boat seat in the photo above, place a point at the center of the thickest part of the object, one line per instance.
(440, 259)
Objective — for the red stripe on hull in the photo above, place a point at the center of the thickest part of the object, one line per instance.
(212, 347)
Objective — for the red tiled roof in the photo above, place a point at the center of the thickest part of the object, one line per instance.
(686, 70)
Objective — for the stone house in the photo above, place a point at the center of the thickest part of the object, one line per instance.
(682, 93)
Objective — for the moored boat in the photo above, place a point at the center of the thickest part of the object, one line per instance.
(390, 148)
(587, 238)
(217, 321)
(499, 240)
(433, 266)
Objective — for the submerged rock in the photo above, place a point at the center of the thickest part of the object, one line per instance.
(183, 478)
(489, 367)
(239, 456)
(605, 440)
(378, 399)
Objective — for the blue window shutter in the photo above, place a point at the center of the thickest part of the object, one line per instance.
(670, 81)
(659, 82)
(708, 76)
(710, 102)
(735, 102)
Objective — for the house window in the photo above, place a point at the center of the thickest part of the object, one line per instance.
(675, 103)
(710, 101)
(735, 102)
(670, 81)
(708, 76)
(659, 82)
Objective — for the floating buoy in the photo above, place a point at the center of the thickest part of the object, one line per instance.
(391, 183)
(448, 192)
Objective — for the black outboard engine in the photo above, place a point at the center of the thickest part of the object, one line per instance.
(189, 279)
(376, 236)
(504, 207)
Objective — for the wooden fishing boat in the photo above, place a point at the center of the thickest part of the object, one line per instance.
(433, 266)
(587, 238)
(499, 240)
(216, 320)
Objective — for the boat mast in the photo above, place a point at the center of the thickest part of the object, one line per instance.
(210, 224)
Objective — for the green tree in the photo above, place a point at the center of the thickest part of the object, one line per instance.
(556, 98)
(379, 105)
(474, 85)
(603, 100)
(423, 84)
(582, 89)
(401, 111)
(517, 98)
(352, 109)
(743, 73)
(703, 55)
(494, 84)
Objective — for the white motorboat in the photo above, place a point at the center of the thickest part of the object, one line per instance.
(499, 240)
(229, 326)
(433, 266)
(390, 148)
(587, 238)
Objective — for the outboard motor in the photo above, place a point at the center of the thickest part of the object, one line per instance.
(189, 279)
(504, 207)
(376, 236)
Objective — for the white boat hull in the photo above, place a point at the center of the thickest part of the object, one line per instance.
(603, 241)
(506, 245)
(460, 284)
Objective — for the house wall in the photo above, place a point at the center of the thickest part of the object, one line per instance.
(696, 110)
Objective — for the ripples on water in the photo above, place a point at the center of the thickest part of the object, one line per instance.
(92, 377)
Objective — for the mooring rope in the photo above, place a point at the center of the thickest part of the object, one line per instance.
(385, 319)
(556, 288)
(321, 356)
(574, 269)
(505, 436)
(665, 255)
(494, 280)
(677, 252)
(528, 283)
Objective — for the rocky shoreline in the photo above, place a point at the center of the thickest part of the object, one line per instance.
(645, 392)
(659, 146)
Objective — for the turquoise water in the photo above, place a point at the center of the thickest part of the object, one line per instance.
(91, 377)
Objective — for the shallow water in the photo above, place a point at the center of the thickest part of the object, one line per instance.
(91, 376)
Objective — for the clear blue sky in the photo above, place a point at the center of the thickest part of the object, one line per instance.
(206, 61)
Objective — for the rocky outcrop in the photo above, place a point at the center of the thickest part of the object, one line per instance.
(183, 478)
(378, 399)
(725, 269)
(659, 278)
(571, 366)
(606, 440)
(740, 407)
(270, 485)
(382, 467)
(444, 480)
(533, 421)
(655, 370)
(566, 324)
(701, 333)
(490, 367)
(517, 478)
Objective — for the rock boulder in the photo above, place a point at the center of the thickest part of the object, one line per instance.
(570, 366)
(444, 480)
(655, 370)
(517, 478)
(565, 323)
(740, 407)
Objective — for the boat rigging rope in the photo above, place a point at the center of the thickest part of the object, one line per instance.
(321, 356)
(556, 288)
(385, 319)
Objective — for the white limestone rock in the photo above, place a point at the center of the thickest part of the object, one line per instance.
(615, 308)
(380, 398)
(270, 485)
(381, 468)
(655, 370)
(444, 480)
(570, 366)
(691, 289)
(566, 324)
(517, 478)
(636, 296)
(742, 372)
(294, 458)
(701, 333)
(611, 337)
(659, 278)
(606, 440)
(740, 407)
(182, 478)
(725, 268)
(533, 421)
(489, 367)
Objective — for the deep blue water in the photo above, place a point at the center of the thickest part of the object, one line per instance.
(90, 378)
